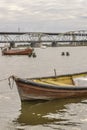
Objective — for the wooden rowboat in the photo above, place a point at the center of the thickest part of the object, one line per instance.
(48, 88)
(15, 51)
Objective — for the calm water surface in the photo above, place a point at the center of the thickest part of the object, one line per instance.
(65, 114)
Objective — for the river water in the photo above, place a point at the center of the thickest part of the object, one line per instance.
(64, 114)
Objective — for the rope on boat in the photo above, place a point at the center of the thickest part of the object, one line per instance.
(10, 81)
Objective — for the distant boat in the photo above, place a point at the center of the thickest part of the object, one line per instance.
(43, 47)
(55, 87)
(17, 51)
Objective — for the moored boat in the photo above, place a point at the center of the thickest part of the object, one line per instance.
(55, 87)
(16, 51)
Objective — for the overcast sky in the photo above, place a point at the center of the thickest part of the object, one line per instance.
(43, 15)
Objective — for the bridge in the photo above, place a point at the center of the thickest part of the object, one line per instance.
(33, 38)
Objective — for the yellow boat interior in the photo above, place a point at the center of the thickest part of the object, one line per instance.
(64, 80)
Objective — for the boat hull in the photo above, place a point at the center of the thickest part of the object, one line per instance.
(18, 52)
(29, 90)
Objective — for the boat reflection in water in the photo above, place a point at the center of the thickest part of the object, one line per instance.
(45, 112)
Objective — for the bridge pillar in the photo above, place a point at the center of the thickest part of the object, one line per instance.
(74, 39)
(34, 44)
(12, 44)
(54, 44)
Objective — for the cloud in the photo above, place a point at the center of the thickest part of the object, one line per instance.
(43, 14)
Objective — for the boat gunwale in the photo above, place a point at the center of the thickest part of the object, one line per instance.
(51, 86)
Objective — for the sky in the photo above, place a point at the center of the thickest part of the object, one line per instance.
(43, 15)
